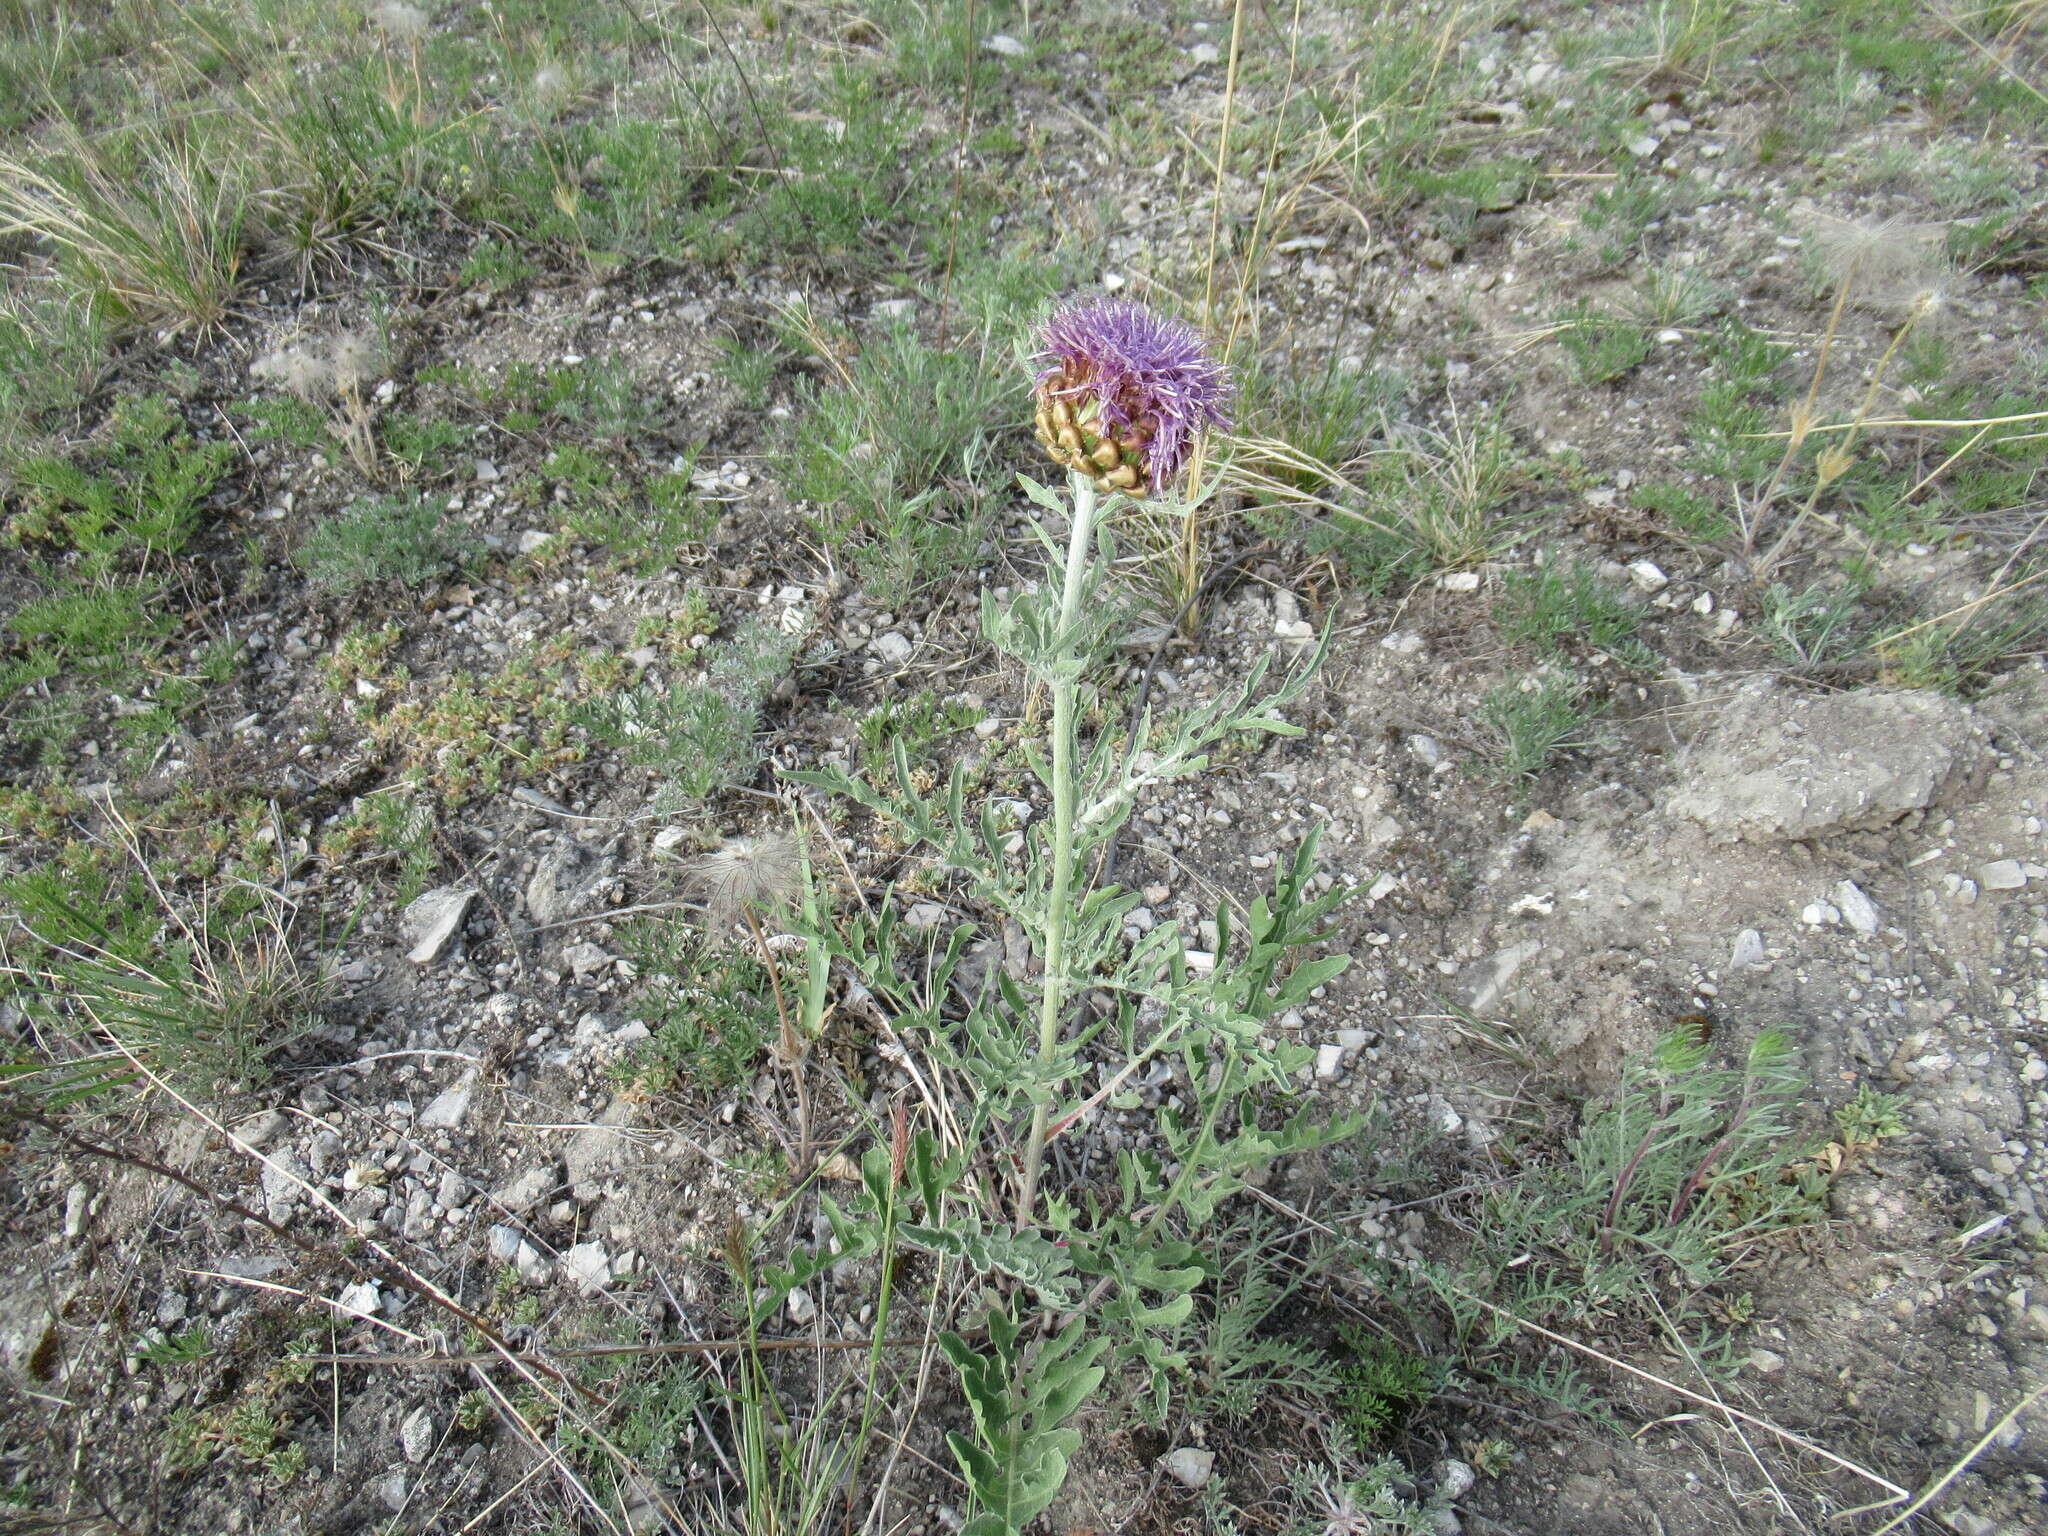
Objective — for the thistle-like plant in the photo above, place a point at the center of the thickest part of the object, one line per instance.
(1122, 401)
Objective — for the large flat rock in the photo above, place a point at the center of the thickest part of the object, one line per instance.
(1779, 766)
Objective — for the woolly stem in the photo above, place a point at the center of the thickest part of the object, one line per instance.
(1066, 688)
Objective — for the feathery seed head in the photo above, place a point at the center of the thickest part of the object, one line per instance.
(397, 19)
(1126, 393)
(356, 359)
(1888, 264)
(747, 872)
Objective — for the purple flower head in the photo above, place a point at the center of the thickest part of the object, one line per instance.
(1126, 392)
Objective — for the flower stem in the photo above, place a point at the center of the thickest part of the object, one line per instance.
(1066, 689)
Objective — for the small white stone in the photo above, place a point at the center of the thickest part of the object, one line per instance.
(1648, 576)
(1454, 1479)
(1644, 147)
(1749, 950)
(1329, 1060)
(1703, 604)
(432, 920)
(1818, 914)
(449, 1106)
(77, 1205)
(2002, 875)
(892, 648)
(416, 1435)
(1459, 581)
(1190, 1466)
(1858, 910)
(588, 1266)
(361, 1299)
(801, 1308)
(1006, 45)
(586, 959)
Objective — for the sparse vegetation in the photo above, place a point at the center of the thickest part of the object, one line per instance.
(556, 792)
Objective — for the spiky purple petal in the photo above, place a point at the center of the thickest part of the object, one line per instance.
(1142, 369)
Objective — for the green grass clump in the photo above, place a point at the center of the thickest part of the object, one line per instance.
(1560, 606)
(1619, 215)
(1327, 414)
(108, 530)
(1531, 721)
(907, 490)
(1686, 512)
(1602, 347)
(207, 1007)
(52, 352)
(1668, 1187)
(384, 541)
(1735, 412)
(148, 223)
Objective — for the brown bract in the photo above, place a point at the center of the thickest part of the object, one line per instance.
(1071, 433)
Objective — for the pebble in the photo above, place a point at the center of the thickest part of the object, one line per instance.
(1454, 1478)
(77, 1208)
(892, 648)
(526, 1191)
(450, 1105)
(1190, 1466)
(1648, 576)
(416, 1435)
(1329, 1060)
(361, 1299)
(2002, 875)
(1748, 951)
(1857, 909)
(260, 1130)
(1004, 44)
(432, 919)
(588, 1265)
